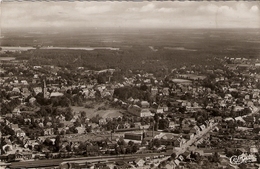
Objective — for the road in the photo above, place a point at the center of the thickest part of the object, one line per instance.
(184, 147)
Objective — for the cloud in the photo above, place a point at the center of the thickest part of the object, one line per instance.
(92, 9)
(167, 10)
(254, 9)
(149, 7)
(175, 14)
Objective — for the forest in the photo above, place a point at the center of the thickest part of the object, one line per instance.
(139, 57)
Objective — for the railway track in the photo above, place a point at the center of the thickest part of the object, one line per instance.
(56, 162)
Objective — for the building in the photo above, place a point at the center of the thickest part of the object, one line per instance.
(134, 136)
(139, 162)
(140, 112)
(44, 89)
(48, 131)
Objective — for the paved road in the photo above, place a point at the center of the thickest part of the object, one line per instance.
(184, 147)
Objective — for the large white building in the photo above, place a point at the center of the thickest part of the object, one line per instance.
(138, 111)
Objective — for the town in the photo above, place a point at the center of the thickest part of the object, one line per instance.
(194, 116)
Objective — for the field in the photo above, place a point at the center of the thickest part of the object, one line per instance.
(7, 58)
(92, 112)
(181, 81)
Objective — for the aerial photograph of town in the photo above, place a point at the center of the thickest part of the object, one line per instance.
(130, 85)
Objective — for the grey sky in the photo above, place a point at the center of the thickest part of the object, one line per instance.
(131, 14)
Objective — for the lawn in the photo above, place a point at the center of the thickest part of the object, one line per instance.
(93, 111)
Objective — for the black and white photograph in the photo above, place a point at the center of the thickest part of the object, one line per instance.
(129, 84)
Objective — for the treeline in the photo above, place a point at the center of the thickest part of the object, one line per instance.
(124, 93)
(138, 57)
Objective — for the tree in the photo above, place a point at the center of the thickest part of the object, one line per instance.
(45, 121)
(128, 150)
(143, 142)
(68, 114)
(242, 166)
(64, 102)
(77, 123)
(215, 158)
(57, 142)
(157, 142)
(143, 87)
(173, 156)
(83, 114)
(48, 142)
(131, 143)
(101, 78)
(121, 141)
(89, 128)
(82, 146)
(7, 148)
(68, 148)
(163, 124)
(39, 147)
(135, 148)
(258, 158)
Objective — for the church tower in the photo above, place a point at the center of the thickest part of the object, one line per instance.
(44, 89)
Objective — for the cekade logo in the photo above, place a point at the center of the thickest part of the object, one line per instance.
(240, 159)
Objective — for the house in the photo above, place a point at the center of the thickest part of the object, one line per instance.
(145, 104)
(37, 90)
(247, 97)
(186, 129)
(192, 130)
(24, 82)
(20, 133)
(172, 125)
(80, 129)
(207, 152)
(217, 119)
(165, 91)
(48, 131)
(170, 165)
(253, 149)
(179, 142)
(184, 156)
(146, 113)
(242, 150)
(23, 156)
(16, 110)
(159, 110)
(165, 108)
(154, 91)
(127, 125)
(17, 90)
(238, 108)
(56, 94)
(197, 129)
(137, 111)
(139, 162)
(61, 130)
(37, 67)
(188, 136)
(208, 123)
(32, 100)
(202, 127)
(177, 162)
(239, 118)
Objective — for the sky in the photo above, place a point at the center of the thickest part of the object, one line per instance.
(153, 14)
